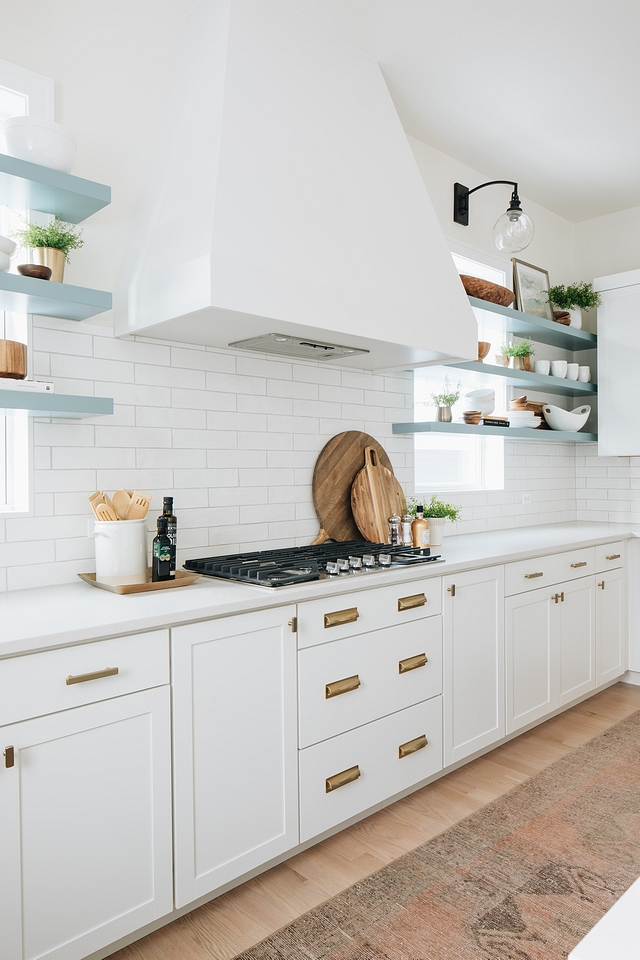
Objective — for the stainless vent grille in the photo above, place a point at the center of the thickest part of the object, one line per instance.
(285, 346)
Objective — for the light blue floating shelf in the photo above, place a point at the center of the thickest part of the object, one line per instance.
(490, 372)
(57, 405)
(536, 328)
(29, 186)
(47, 299)
(511, 433)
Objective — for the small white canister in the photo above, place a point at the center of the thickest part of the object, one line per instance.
(121, 551)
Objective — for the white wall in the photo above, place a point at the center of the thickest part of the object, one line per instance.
(609, 244)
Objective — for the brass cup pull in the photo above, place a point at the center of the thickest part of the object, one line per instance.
(613, 556)
(405, 749)
(341, 779)
(412, 663)
(337, 687)
(340, 617)
(408, 603)
(97, 675)
(601, 585)
(582, 563)
(9, 757)
(532, 576)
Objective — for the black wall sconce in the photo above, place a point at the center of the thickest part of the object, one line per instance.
(512, 232)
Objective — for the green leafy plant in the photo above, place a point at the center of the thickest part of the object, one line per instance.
(448, 396)
(523, 349)
(580, 296)
(438, 508)
(58, 234)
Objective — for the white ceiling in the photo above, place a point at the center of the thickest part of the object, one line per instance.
(546, 93)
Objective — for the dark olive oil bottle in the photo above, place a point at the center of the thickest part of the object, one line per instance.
(161, 553)
(172, 527)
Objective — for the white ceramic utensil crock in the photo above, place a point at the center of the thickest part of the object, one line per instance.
(121, 551)
(571, 420)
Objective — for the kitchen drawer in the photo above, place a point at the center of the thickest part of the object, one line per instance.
(609, 556)
(542, 571)
(36, 684)
(335, 617)
(389, 666)
(374, 749)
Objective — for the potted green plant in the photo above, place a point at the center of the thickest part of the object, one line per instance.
(445, 400)
(51, 244)
(519, 354)
(436, 512)
(574, 299)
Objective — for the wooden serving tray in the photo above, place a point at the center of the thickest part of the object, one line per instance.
(182, 578)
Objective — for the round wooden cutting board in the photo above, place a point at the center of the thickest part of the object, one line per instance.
(338, 463)
(376, 495)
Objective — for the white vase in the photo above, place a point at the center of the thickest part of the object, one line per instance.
(436, 530)
(576, 318)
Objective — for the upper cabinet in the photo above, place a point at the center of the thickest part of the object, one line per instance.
(618, 345)
(286, 200)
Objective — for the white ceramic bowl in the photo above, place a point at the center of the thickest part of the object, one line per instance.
(7, 246)
(572, 420)
(5, 262)
(40, 141)
(482, 400)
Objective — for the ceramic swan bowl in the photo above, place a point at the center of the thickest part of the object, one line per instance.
(569, 420)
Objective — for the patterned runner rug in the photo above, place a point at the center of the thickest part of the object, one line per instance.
(524, 878)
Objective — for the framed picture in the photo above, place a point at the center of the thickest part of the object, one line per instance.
(531, 287)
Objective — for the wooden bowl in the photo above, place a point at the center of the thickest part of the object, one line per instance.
(37, 270)
(484, 290)
(13, 360)
(483, 349)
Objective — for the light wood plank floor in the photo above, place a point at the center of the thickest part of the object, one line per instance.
(244, 916)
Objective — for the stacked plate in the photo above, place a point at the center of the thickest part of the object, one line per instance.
(524, 418)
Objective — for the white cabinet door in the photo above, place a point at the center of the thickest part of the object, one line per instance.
(85, 826)
(473, 609)
(530, 660)
(610, 626)
(235, 751)
(575, 639)
(618, 342)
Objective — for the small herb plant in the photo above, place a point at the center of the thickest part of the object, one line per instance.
(580, 296)
(448, 396)
(523, 349)
(58, 234)
(438, 508)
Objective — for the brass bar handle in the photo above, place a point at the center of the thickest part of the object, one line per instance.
(532, 576)
(601, 584)
(338, 687)
(555, 597)
(613, 556)
(341, 779)
(408, 603)
(452, 589)
(96, 675)
(582, 563)
(406, 749)
(293, 623)
(412, 663)
(9, 757)
(562, 597)
(340, 617)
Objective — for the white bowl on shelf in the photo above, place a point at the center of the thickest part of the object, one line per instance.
(5, 262)
(39, 141)
(569, 420)
(482, 400)
(7, 246)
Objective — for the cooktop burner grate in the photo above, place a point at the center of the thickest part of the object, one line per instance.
(280, 568)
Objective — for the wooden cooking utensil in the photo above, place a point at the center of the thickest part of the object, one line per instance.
(336, 468)
(121, 502)
(139, 505)
(104, 511)
(95, 499)
(375, 496)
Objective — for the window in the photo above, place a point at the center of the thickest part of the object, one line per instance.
(451, 462)
(22, 93)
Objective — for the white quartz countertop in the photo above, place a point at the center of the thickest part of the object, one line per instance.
(41, 618)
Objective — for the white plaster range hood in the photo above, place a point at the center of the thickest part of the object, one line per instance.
(282, 197)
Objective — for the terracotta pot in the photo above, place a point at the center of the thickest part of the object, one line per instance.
(13, 360)
(50, 257)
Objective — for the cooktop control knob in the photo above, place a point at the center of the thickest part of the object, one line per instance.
(384, 560)
(343, 564)
(368, 561)
(332, 568)
(355, 563)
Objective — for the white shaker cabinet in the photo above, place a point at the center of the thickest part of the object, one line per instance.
(235, 750)
(610, 625)
(530, 657)
(575, 622)
(618, 345)
(474, 689)
(85, 826)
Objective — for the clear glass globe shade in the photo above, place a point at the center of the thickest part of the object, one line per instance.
(512, 235)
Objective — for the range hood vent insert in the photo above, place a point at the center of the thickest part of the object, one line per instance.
(284, 346)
